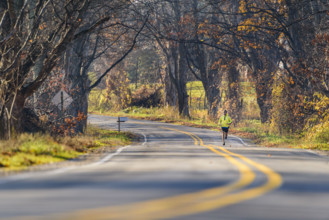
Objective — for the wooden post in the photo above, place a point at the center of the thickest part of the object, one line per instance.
(62, 106)
(121, 119)
(119, 124)
(191, 96)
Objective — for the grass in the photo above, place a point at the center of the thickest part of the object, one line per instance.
(260, 134)
(250, 126)
(34, 149)
(250, 129)
(196, 95)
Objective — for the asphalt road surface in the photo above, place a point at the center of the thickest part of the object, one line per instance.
(176, 172)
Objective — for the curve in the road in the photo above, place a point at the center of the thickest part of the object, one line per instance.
(192, 203)
(274, 180)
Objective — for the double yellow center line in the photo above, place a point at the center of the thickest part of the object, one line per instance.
(196, 202)
(247, 176)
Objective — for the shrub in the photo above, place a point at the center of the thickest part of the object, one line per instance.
(289, 107)
(147, 96)
(317, 127)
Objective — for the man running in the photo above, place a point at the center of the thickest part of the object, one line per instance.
(225, 122)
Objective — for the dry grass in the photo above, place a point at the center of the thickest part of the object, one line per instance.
(32, 149)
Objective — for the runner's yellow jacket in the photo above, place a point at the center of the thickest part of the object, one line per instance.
(225, 121)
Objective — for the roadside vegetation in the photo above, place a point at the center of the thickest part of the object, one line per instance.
(177, 61)
(34, 149)
(266, 134)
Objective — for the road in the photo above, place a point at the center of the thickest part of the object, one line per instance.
(176, 172)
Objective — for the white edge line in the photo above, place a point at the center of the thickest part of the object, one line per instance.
(107, 157)
(240, 140)
(244, 143)
(145, 139)
(314, 153)
(65, 169)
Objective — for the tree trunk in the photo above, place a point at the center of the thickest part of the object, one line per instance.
(264, 101)
(263, 70)
(77, 78)
(79, 110)
(177, 69)
(11, 116)
(183, 102)
(235, 104)
(181, 89)
(213, 100)
(170, 92)
(264, 85)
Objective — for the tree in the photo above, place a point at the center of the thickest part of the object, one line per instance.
(203, 60)
(111, 43)
(39, 33)
(144, 64)
(169, 15)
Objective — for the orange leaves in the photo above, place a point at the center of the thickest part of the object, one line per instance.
(81, 116)
(42, 26)
(234, 85)
(67, 127)
(220, 64)
(321, 38)
(291, 81)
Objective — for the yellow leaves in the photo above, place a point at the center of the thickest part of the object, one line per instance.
(320, 102)
(243, 6)
(200, 26)
(259, 17)
(249, 44)
(248, 25)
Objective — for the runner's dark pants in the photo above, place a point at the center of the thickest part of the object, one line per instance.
(225, 129)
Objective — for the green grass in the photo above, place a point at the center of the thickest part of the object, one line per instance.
(33, 149)
(104, 137)
(249, 127)
(196, 95)
(30, 149)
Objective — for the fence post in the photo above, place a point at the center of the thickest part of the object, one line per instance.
(119, 123)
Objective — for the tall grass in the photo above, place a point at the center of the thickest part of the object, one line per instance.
(32, 149)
